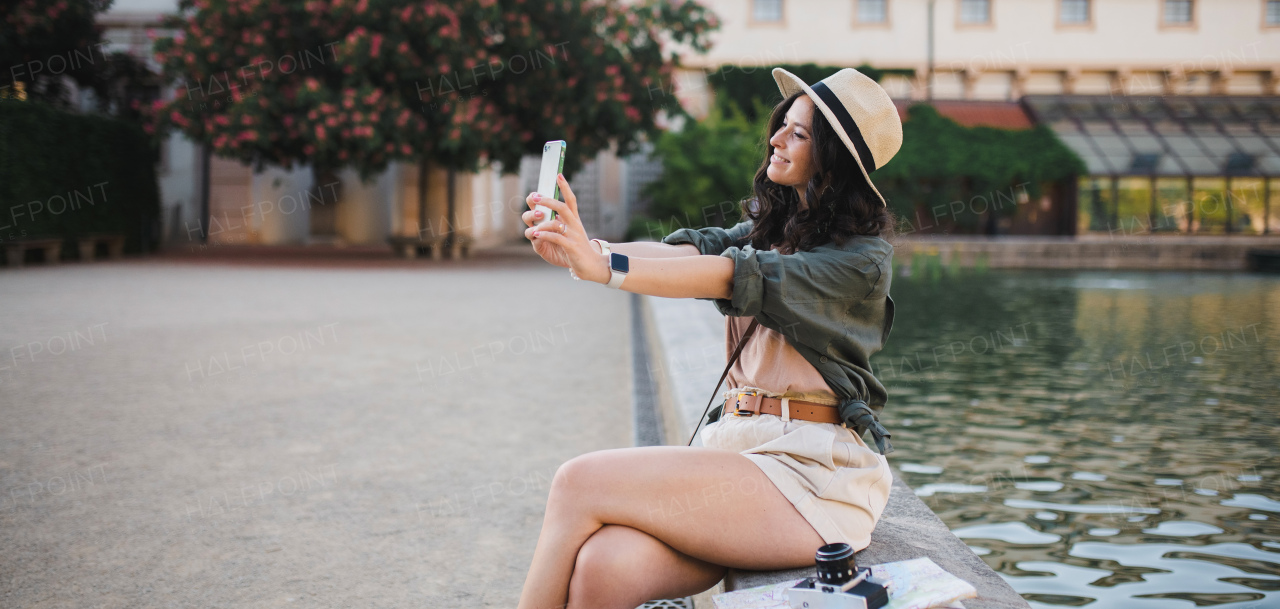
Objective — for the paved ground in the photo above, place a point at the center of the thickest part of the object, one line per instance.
(194, 434)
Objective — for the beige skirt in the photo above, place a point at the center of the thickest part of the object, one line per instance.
(837, 483)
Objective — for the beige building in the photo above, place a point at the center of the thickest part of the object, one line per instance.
(1171, 103)
(1004, 49)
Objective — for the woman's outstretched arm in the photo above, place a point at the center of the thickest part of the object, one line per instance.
(676, 273)
(670, 271)
(695, 276)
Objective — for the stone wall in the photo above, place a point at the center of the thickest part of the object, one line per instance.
(1153, 252)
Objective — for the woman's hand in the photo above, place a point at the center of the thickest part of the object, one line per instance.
(563, 241)
(549, 252)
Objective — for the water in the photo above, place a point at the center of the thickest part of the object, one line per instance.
(1101, 439)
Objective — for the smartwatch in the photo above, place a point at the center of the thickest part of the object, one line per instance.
(619, 264)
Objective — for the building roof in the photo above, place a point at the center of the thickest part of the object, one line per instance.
(1003, 115)
(1166, 136)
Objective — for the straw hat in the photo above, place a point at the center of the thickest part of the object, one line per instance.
(859, 110)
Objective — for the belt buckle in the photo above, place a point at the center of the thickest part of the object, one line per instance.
(739, 412)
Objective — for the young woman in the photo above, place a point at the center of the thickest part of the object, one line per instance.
(809, 264)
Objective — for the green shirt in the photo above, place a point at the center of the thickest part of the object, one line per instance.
(831, 303)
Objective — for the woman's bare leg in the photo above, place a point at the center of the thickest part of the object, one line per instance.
(622, 568)
(710, 504)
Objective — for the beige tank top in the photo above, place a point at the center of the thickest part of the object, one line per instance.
(769, 362)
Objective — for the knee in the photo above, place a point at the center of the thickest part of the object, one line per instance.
(600, 572)
(571, 483)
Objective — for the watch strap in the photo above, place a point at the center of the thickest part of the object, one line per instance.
(615, 280)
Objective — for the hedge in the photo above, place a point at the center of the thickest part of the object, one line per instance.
(709, 165)
(942, 161)
(66, 175)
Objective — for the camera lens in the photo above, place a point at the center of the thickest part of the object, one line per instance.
(835, 563)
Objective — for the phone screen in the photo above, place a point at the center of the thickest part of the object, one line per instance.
(552, 165)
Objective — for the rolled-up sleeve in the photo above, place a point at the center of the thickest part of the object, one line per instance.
(786, 288)
(712, 240)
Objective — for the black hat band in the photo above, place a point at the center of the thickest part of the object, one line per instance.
(850, 128)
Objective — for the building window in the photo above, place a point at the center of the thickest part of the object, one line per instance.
(1273, 12)
(873, 11)
(1074, 11)
(975, 11)
(767, 10)
(1177, 12)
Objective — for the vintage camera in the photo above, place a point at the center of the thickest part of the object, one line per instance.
(840, 584)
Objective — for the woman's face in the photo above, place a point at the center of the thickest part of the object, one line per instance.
(792, 162)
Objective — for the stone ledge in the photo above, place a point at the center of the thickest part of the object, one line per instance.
(909, 529)
(687, 344)
(1104, 252)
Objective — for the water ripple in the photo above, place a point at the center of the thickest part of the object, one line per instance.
(1106, 439)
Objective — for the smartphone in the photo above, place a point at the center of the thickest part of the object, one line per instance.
(552, 165)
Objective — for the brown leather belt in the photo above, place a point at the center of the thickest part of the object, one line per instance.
(749, 403)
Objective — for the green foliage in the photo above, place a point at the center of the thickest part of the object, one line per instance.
(42, 42)
(707, 168)
(941, 161)
(748, 86)
(46, 45)
(454, 82)
(64, 174)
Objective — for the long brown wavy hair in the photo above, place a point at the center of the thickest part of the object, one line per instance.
(840, 203)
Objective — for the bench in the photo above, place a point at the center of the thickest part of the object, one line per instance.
(15, 251)
(410, 247)
(88, 245)
(1264, 261)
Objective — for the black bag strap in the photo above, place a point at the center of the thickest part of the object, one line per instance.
(736, 351)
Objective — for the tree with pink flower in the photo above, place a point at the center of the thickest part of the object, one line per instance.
(362, 83)
(365, 82)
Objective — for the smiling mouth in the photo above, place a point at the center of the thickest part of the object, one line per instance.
(778, 159)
